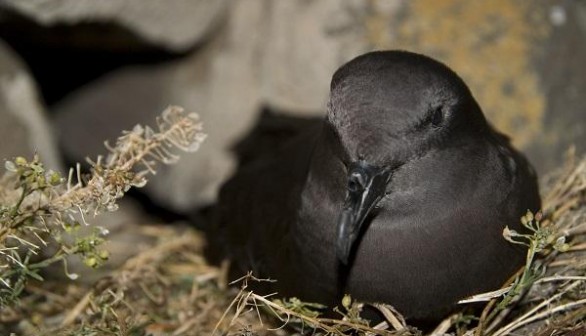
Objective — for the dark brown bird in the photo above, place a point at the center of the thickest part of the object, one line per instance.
(400, 196)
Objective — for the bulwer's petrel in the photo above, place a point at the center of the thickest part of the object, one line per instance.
(400, 196)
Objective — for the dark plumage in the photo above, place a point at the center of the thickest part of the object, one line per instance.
(400, 196)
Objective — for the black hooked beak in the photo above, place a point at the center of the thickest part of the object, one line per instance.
(366, 186)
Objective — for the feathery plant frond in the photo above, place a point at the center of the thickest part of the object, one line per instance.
(42, 211)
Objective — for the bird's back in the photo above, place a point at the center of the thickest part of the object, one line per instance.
(257, 207)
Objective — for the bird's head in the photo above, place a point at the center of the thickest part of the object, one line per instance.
(387, 108)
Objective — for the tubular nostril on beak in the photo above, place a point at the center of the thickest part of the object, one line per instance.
(356, 182)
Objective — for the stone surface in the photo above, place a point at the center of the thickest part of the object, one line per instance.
(173, 24)
(24, 127)
(306, 41)
(220, 82)
(520, 59)
(563, 80)
(280, 54)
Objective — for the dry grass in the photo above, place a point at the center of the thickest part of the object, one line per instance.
(169, 289)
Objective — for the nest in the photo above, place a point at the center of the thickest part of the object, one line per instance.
(170, 289)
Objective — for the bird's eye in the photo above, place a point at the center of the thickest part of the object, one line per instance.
(437, 117)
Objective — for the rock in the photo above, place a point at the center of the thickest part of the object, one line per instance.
(219, 81)
(24, 127)
(176, 25)
(306, 41)
(281, 55)
(563, 77)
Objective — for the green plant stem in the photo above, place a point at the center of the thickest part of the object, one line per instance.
(14, 212)
(58, 256)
